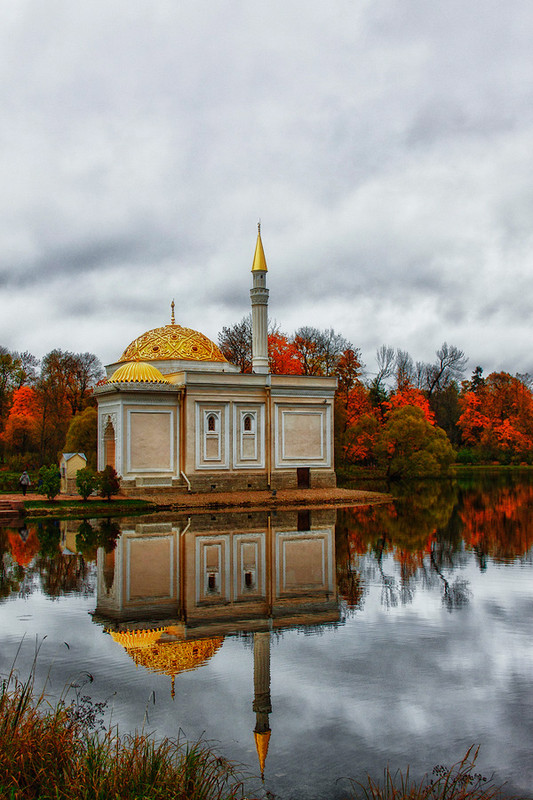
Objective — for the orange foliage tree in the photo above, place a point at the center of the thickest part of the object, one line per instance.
(283, 355)
(408, 395)
(21, 432)
(497, 419)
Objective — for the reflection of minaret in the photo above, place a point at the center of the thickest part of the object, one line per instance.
(262, 705)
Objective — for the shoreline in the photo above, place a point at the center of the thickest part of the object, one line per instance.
(154, 501)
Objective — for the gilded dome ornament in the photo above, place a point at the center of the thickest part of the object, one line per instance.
(172, 342)
(137, 372)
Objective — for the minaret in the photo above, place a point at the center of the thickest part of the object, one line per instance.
(262, 705)
(259, 298)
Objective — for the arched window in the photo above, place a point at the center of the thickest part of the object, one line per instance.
(248, 422)
(211, 422)
(109, 444)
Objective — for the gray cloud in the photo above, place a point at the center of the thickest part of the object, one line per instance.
(385, 147)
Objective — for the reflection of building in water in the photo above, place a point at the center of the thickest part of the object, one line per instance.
(171, 590)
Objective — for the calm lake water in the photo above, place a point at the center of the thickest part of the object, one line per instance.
(319, 645)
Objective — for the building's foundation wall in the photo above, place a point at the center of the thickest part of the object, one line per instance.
(234, 482)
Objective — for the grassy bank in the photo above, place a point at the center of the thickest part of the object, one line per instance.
(86, 508)
(57, 753)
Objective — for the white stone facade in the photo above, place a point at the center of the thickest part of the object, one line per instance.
(222, 431)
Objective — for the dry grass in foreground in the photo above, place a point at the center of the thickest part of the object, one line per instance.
(54, 753)
(458, 782)
(63, 752)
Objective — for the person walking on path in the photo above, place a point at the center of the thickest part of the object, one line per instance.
(24, 481)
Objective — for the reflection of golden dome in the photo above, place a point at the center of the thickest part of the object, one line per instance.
(136, 639)
(174, 657)
(172, 342)
(137, 372)
(167, 657)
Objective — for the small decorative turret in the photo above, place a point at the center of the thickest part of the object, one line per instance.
(259, 298)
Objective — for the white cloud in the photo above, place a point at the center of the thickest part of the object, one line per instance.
(386, 148)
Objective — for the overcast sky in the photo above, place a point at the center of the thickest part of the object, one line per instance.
(385, 145)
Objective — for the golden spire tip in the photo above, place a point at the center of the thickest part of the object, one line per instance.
(172, 319)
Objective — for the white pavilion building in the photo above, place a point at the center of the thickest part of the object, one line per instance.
(173, 412)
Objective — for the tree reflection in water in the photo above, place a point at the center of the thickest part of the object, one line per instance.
(426, 532)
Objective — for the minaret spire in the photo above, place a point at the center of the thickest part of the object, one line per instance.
(259, 298)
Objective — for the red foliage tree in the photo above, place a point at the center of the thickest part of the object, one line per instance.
(20, 434)
(283, 355)
(409, 395)
(498, 418)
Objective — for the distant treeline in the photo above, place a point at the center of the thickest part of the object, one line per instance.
(409, 415)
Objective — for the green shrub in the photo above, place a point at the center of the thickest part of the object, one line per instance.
(109, 482)
(49, 481)
(86, 482)
(467, 456)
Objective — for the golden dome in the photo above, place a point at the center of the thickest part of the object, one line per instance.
(137, 372)
(172, 342)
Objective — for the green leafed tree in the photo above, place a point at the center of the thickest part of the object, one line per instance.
(109, 482)
(49, 481)
(86, 482)
(82, 435)
(408, 446)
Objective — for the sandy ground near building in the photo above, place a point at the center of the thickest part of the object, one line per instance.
(286, 498)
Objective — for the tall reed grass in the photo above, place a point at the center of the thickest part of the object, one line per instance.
(49, 752)
(458, 782)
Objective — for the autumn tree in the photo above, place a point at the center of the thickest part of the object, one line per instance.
(476, 382)
(235, 343)
(8, 368)
(449, 366)
(84, 370)
(109, 482)
(409, 395)
(65, 388)
(497, 419)
(282, 355)
(447, 410)
(349, 369)
(26, 369)
(319, 351)
(82, 435)
(21, 433)
(378, 394)
(409, 445)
